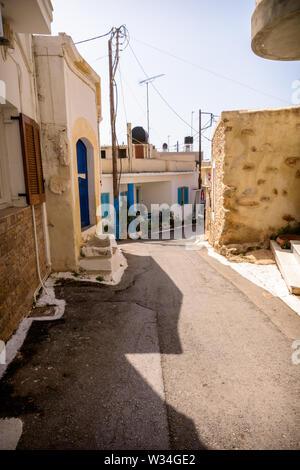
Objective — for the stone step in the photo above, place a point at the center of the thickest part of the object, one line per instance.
(289, 267)
(296, 249)
(99, 245)
(101, 256)
(96, 251)
(96, 264)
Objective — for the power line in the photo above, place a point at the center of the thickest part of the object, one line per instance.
(96, 37)
(122, 91)
(159, 93)
(140, 106)
(217, 74)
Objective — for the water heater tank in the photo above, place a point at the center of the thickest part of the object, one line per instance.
(139, 135)
(189, 140)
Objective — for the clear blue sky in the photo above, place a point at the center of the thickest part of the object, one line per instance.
(215, 35)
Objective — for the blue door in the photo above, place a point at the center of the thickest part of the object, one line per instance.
(180, 196)
(83, 183)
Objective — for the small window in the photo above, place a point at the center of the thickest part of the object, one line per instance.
(122, 153)
(183, 195)
(31, 150)
(103, 153)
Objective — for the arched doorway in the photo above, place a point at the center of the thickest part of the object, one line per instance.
(83, 183)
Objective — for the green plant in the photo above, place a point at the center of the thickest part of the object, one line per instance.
(293, 229)
(75, 274)
(99, 279)
(286, 245)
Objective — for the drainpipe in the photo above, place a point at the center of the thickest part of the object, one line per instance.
(46, 236)
(37, 254)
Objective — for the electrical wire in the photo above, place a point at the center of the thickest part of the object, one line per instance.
(217, 74)
(94, 38)
(161, 96)
(122, 91)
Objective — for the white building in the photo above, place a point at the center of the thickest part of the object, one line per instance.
(151, 177)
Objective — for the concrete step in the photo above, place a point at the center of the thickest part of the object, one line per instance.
(101, 255)
(289, 267)
(296, 249)
(98, 246)
(96, 264)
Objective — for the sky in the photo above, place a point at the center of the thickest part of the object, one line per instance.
(203, 48)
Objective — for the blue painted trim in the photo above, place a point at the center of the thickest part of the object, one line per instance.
(117, 223)
(130, 194)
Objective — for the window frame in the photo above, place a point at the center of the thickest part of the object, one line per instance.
(33, 197)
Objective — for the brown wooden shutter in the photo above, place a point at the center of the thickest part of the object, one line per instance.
(31, 149)
(139, 151)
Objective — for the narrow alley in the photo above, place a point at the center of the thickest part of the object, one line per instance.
(182, 354)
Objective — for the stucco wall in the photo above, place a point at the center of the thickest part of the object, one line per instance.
(156, 193)
(69, 102)
(155, 188)
(256, 175)
(17, 73)
(18, 269)
(16, 70)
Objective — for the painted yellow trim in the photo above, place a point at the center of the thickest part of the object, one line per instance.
(82, 129)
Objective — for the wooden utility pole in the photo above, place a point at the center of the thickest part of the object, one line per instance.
(200, 151)
(130, 146)
(112, 72)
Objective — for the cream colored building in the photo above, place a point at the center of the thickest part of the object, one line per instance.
(24, 243)
(50, 110)
(70, 109)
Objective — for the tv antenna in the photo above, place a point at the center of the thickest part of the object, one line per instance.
(146, 82)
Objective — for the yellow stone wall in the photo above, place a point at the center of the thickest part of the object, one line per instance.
(256, 175)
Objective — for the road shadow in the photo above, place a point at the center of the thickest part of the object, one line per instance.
(91, 380)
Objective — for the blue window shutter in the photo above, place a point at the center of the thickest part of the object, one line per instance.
(179, 196)
(186, 195)
(105, 200)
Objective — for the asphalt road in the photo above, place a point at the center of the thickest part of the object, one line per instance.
(182, 354)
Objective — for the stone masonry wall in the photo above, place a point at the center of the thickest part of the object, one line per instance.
(215, 208)
(18, 271)
(257, 175)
